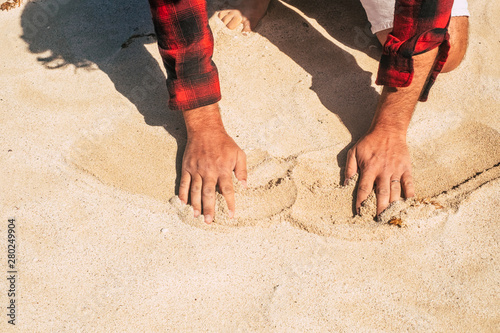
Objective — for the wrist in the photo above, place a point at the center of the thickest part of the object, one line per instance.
(203, 120)
(389, 131)
(393, 114)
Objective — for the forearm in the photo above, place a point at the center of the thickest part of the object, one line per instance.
(396, 105)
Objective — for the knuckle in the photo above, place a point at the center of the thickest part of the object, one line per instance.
(184, 185)
(224, 171)
(203, 169)
(383, 191)
(364, 188)
(227, 189)
(208, 191)
(195, 188)
(189, 163)
(408, 183)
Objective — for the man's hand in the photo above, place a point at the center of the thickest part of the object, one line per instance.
(381, 156)
(210, 158)
(383, 160)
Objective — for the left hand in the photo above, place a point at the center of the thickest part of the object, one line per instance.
(383, 160)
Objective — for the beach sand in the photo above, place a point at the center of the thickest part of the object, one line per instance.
(90, 160)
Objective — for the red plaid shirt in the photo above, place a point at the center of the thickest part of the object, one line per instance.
(186, 46)
(419, 26)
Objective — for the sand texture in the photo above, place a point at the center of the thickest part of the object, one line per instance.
(90, 160)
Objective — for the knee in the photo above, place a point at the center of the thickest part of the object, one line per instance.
(382, 35)
(459, 39)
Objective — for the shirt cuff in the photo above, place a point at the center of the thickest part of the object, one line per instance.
(192, 92)
(396, 63)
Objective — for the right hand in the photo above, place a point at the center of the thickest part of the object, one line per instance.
(209, 160)
(383, 160)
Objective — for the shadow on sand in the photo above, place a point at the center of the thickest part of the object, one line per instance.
(90, 33)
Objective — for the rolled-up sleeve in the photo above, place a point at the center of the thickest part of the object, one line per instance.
(186, 46)
(419, 26)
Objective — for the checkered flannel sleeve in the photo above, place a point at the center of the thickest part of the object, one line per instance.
(419, 26)
(186, 45)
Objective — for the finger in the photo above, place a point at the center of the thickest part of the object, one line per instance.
(234, 23)
(240, 170)
(351, 166)
(223, 13)
(246, 26)
(407, 184)
(196, 184)
(364, 189)
(227, 190)
(395, 189)
(226, 18)
(383, 191)
(208, 199)
(184, 186)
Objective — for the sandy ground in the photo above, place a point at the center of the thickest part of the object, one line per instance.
(90, 160)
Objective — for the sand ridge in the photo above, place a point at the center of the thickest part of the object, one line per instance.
(90, 158)
(311, 173)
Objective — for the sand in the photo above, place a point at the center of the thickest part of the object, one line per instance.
(90, 160)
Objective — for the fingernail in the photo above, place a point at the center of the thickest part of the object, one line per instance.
(231, 214)
(196, 213)
(208, 219)
(244, 183)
